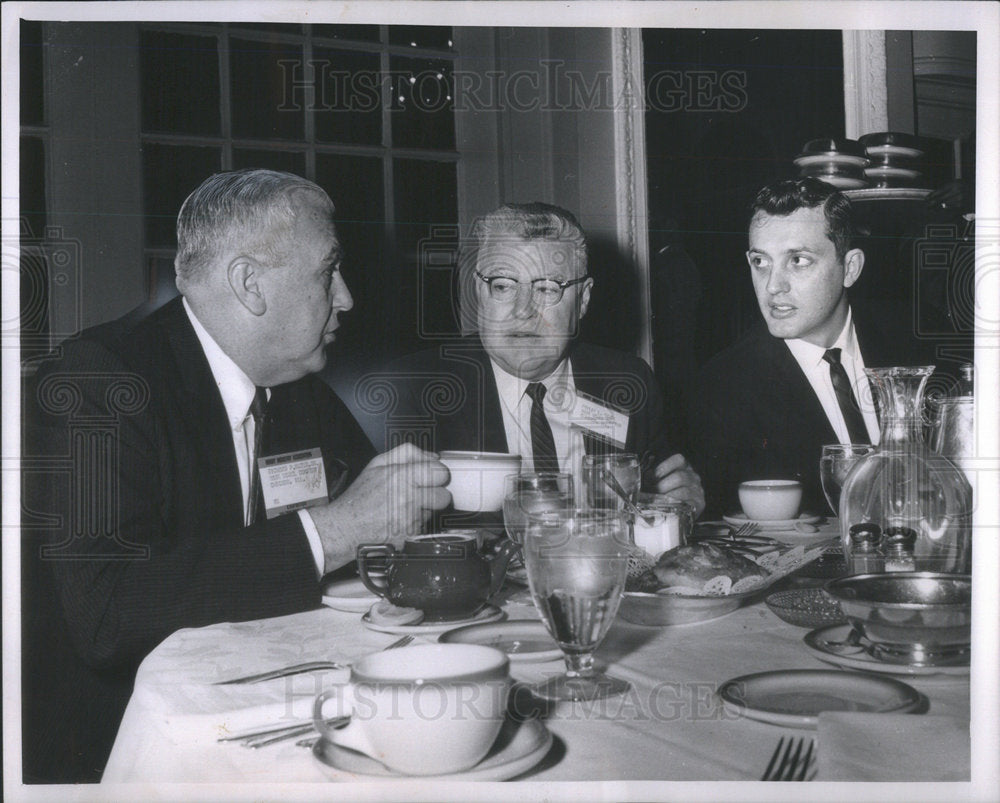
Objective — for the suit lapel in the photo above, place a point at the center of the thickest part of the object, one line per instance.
(789, 381)
(201, 411)
(480, 420)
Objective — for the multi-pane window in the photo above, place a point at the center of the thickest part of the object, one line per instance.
(364, 110)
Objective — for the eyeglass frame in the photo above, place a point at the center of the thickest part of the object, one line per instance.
(488, 281)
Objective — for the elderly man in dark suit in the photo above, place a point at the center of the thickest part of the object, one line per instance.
(158, 511)
(767, 404)
(524, 384)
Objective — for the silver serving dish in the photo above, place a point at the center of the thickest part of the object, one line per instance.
(909, 616)
(643, 608)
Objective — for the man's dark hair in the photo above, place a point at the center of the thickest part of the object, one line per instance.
(783, 197)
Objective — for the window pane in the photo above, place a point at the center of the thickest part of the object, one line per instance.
(347, 96)
(422, 115)
(267, 96)
(32, 98)
(426, 217)
(354, 33)
(437, 36)
(170, 173)
(355, 185)
(287, 161)
(180, 83)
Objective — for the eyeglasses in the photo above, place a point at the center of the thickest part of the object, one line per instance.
(544, 292)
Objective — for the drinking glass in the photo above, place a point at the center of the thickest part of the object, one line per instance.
(624, 467)
(576, 563)
(533, 492)
(835, 464)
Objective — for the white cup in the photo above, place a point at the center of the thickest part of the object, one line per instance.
(477, 478)
(770, 500)
(427, 709)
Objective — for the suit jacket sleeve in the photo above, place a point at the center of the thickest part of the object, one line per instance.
(140, 535)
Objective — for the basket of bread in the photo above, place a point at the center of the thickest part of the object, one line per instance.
(700, 581)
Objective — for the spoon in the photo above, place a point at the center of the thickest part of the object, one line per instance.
(630, 506)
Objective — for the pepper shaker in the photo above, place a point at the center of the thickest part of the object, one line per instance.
(865, 555)
(897, 544)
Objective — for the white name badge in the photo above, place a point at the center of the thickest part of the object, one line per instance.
(292, 481)
(598, 419)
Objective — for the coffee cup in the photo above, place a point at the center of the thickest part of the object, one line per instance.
(770, 500)
(427, 709)
(477, 478)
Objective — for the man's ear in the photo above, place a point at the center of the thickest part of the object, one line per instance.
(585, 296)
(244, 275)
(854, 263)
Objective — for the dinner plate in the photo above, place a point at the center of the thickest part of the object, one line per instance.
(795, 698)
(518, 748)
(488, 614)
(348, 595)
(523, 640)
(739, 519)
(893, 172)
(819, 643)
(830, 158)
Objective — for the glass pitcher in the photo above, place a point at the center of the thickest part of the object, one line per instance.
(904, 483)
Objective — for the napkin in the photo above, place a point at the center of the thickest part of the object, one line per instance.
(892, 747)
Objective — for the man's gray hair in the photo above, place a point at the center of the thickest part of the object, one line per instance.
(250, 207)
(533, 221)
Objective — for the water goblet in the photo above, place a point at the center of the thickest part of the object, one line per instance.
(576, 563)
(533, 492)
(624, 467)
(835, 464)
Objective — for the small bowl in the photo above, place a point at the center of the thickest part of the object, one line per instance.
(770, 500)
(916, 615)
(806, 607)
(477, 478)
(659, 610)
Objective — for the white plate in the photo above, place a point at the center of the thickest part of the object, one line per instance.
(896, 150)
(518, 748)
(830, 158)
(523, 640)
(816, 643)
(739, 519)
(488, 614)
(349, 595)
(795, 698)
(841, 182)
(887, 172)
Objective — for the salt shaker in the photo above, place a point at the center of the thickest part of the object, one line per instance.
(865, 555)
(897, 544)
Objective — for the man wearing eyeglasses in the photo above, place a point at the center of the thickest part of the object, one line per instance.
(524, 383)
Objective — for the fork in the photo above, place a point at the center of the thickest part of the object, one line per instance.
(297, 669)
(790, 764)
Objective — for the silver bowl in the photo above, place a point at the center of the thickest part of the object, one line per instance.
(909, 616)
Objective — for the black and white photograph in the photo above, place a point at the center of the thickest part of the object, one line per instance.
(502, 400)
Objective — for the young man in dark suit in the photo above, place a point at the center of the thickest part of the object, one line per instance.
(157, 514)
(767, 404)
(524, 383)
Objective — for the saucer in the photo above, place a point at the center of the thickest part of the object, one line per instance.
(518, 748)
(795, 698)
(488, 614)
(739, 519)
(348, 595)
(821, 644)
(523, 640)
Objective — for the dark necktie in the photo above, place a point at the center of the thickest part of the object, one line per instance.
(856, 429)
(543, 447)
(255, 498)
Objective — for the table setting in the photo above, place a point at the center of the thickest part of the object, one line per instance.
(563, 650)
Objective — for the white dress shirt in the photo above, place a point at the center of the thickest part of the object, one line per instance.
(515, 407)
(237, 391)
(817, 371)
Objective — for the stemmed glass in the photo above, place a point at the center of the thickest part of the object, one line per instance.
(624, 467)
(576, 562)
(835, 464)
(533, 492)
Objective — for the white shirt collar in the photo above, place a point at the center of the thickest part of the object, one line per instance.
(235, 387)
(809, 354)
(512, 389)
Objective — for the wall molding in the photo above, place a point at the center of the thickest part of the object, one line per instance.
(866, 107)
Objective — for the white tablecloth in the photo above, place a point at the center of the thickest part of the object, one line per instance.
(669, 727)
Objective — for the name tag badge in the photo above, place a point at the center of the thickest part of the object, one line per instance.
(292, 481)
(600, 420)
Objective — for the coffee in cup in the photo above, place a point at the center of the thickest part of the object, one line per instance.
(427, 709)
